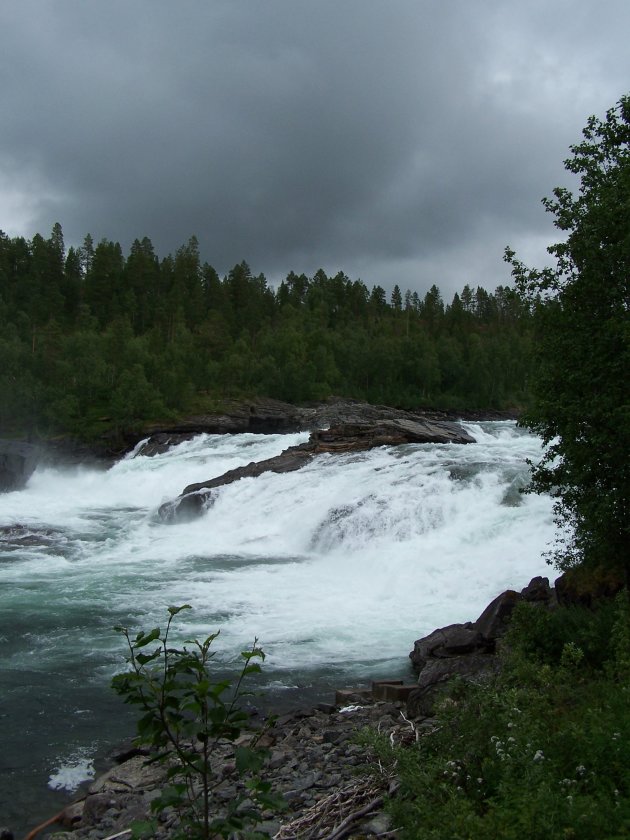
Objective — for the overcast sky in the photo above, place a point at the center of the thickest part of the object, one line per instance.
(401, 141)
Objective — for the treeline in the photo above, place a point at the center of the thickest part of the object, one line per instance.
(91, 338)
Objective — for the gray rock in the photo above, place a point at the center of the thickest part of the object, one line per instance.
(494, 620)
(378, 825)
(17, 463)
(133, 774)
(538, 591)
(445, 642)
(438, 672)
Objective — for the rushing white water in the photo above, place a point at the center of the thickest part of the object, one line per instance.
(336, 568)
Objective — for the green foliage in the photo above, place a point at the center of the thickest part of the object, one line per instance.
(582, 378)
(540, 635)
(540, 751)
(94, 342)
(186, 714)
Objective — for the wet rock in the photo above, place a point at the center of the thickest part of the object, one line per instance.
(161, 442)
(341, 438)
(494, 620)
(260, 415)
(17, 463)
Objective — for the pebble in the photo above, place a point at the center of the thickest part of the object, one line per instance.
(312, 754)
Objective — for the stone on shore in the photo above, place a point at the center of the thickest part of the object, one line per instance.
(468, 650)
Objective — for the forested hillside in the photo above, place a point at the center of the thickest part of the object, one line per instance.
(94, 340)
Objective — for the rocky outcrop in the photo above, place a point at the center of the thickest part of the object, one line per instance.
(349, 437)
(197, 497)
(260, 416)
(273, 416)
(366, 434)
(17, 463)
(468, 650)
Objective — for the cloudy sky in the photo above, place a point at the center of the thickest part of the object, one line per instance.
(401, 141)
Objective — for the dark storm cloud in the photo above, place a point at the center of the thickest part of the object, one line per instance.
(404, 141)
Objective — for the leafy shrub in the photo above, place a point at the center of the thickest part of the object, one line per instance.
(185, 715)
(541, 751)
(541, 634)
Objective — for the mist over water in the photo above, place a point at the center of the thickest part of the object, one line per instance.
(336, 568)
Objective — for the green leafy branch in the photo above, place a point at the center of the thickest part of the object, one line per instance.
(186, 715)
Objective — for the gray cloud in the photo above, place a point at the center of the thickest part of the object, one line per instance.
(404, 141)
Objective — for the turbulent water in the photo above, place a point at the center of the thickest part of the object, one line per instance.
(336, 568)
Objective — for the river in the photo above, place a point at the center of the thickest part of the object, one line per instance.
(336, 568)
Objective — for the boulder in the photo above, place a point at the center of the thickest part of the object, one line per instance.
(494, 620)
(538, 591)
(444, 643)
(467, 650)
(135, 774)
(438, 672)
(17, 463)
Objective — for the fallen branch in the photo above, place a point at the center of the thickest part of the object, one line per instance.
(342, 828)
(322, 820)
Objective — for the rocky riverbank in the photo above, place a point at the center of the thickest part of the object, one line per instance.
(273, 416)
(313, 760)
(316, 759)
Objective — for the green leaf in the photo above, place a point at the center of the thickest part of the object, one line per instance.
(142, 640)
(144, 658)
(141, 830)
(173, 611)
(248, 760)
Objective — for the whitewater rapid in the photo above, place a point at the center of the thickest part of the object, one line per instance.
(335, 568)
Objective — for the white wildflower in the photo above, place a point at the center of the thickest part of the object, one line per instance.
(539, 756)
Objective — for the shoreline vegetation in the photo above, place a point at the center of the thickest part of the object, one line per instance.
(385, 760)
